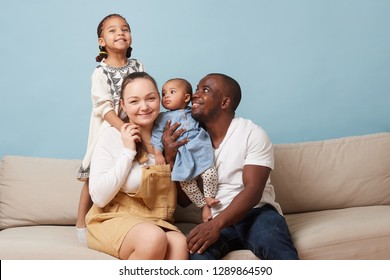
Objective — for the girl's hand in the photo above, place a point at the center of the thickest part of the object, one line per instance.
(130, 136)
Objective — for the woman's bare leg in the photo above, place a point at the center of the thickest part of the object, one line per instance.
(177, 246)
(144, 242)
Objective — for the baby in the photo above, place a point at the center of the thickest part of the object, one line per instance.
(196, 158)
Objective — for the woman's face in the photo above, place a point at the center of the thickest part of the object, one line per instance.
(141, 101)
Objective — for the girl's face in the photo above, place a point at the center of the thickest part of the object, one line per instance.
(141, 101)
(174, 95)
(115, 35)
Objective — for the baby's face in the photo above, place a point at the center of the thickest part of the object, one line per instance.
(174, 95)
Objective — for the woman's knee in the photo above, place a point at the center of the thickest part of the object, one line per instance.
(145, 241)
(177, 246)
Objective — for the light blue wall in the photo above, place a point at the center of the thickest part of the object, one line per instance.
(309, 69)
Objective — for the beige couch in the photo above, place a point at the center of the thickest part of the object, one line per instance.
(335, 195)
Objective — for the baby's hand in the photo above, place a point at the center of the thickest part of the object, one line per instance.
(211, 202)
(160, 159)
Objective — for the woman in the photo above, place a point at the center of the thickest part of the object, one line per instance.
(134, 199)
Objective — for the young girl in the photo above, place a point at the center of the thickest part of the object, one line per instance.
(134, 199)
(194, 158)
(114, 38)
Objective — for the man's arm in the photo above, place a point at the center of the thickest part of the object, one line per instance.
(254, 178)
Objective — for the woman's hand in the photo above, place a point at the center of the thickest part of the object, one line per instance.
(130, 135)
(170, 144)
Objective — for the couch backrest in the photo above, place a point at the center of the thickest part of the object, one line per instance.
(311, 176)
(332, 174)
(38, 191)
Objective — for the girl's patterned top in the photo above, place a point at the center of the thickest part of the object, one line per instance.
(106, 87)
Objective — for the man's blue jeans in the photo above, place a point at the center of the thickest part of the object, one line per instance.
(263, 231)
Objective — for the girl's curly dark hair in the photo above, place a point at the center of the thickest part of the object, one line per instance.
(103, 52)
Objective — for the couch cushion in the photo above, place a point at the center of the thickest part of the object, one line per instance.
(344, 234)
(45, 243)
(60, 243)
(240, 255)
(189, 214)
(37, 191)
(332, 174)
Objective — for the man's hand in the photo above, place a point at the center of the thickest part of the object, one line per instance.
(170, 144)
(202, 236)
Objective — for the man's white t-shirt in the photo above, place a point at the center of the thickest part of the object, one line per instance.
(245, 143)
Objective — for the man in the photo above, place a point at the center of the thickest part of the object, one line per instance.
(248, 216)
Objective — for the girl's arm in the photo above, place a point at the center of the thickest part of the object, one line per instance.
(112, 118)
(102, 102)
